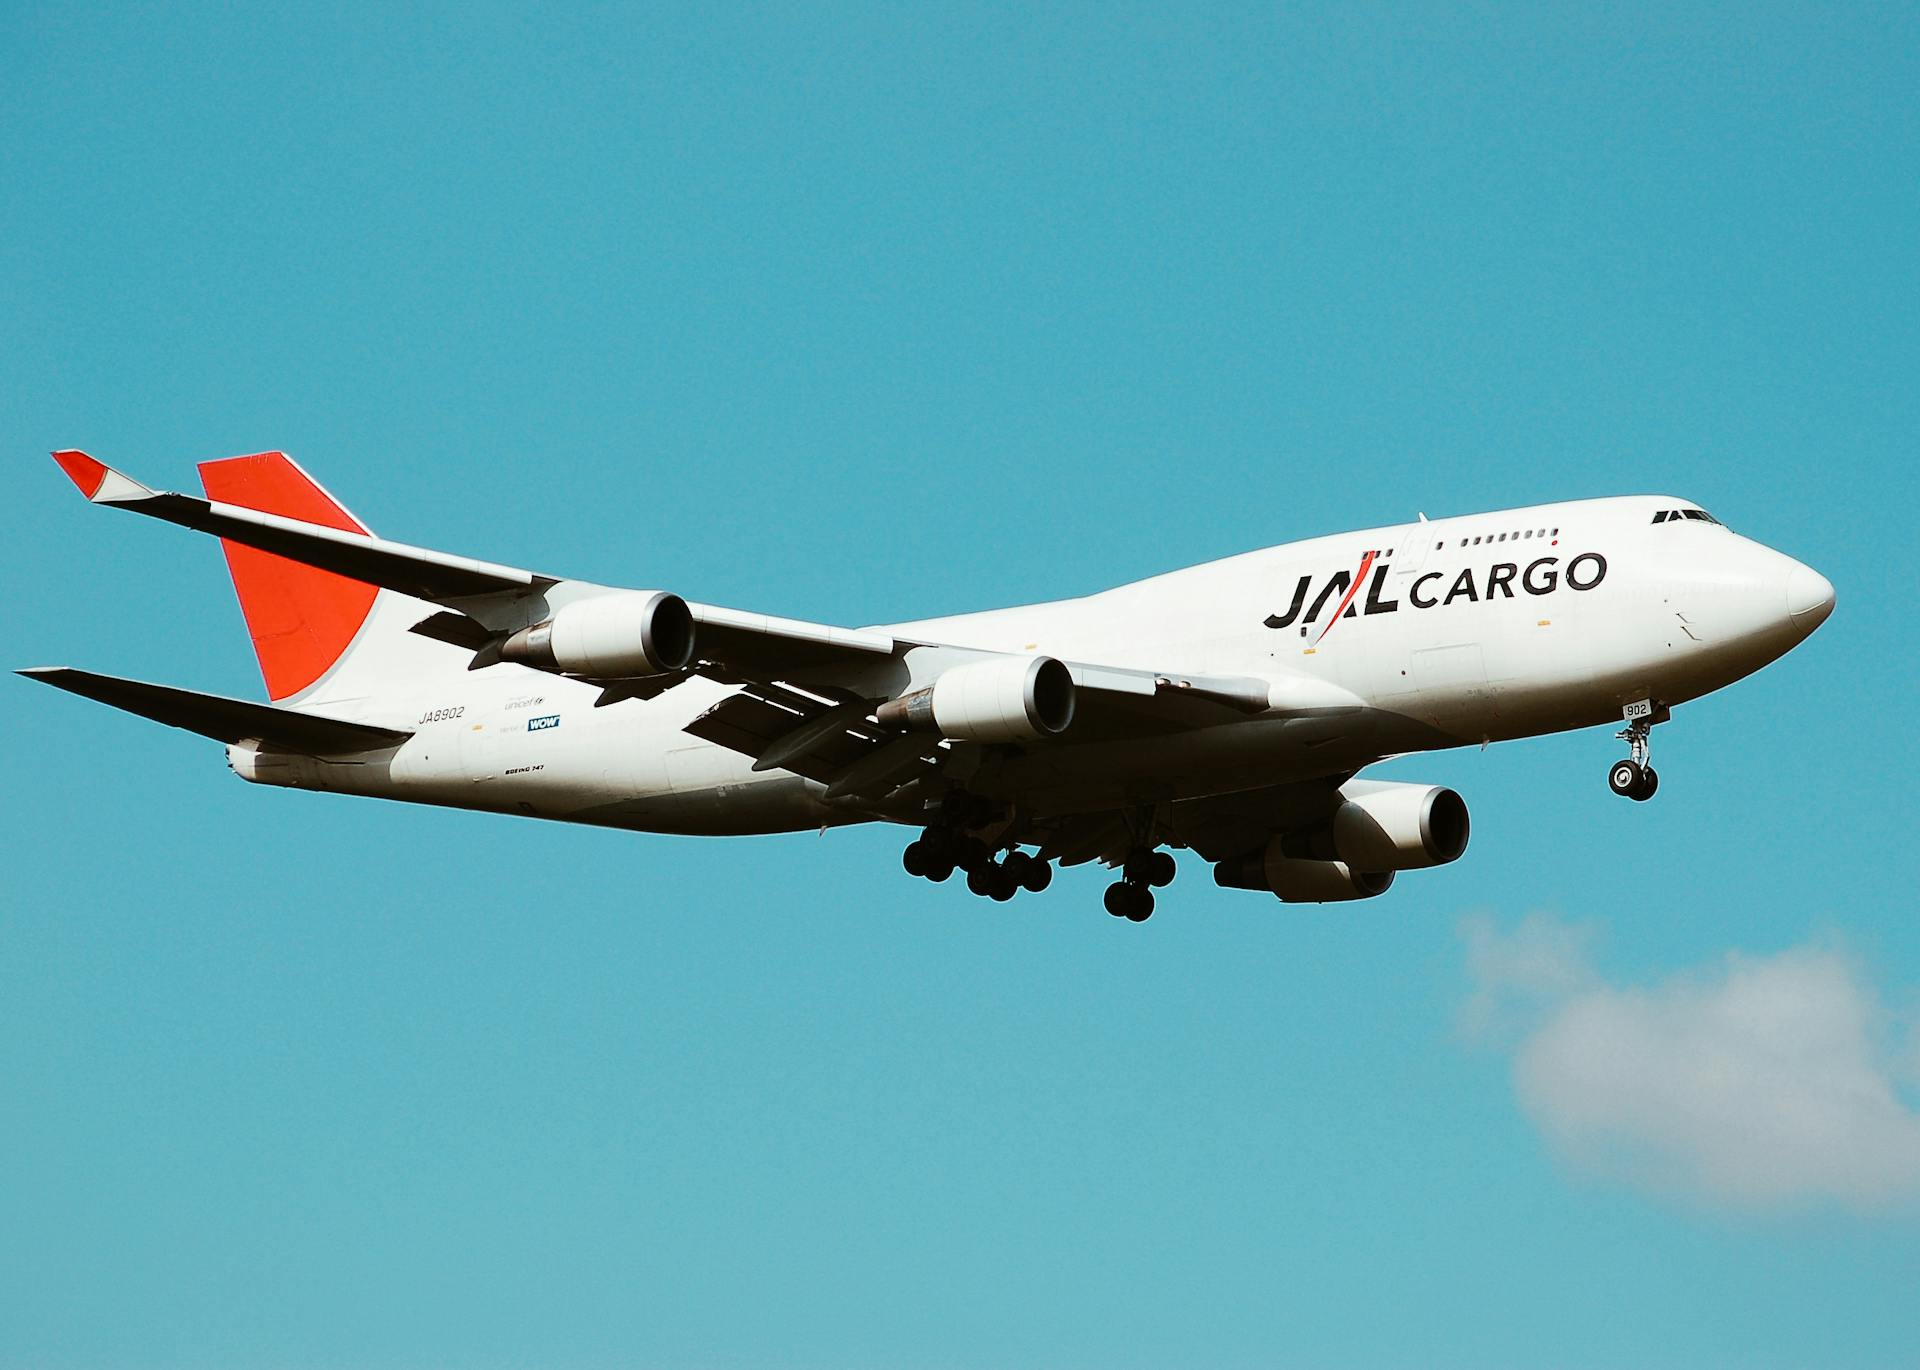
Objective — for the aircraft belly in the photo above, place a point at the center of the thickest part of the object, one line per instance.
(1218, 760)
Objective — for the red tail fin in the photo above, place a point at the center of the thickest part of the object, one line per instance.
(302, 620)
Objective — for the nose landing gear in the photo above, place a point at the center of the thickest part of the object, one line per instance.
(1635, 777)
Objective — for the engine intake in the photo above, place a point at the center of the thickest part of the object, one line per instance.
(1006, 699)
(617, 636)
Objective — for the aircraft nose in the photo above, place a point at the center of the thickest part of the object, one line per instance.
(1809, 598)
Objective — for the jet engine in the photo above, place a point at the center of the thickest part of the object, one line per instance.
(1300, 881)
(615, 636)
(1004, 699)
(1387, 825)
(1378, 828)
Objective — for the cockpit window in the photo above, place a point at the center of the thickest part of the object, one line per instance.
(1698, 515)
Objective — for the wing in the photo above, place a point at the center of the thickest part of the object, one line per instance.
(809, 696)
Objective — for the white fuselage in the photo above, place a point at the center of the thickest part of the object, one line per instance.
(1460, 630)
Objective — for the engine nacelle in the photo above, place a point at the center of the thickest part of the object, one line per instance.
(1300, 881)
(1006, 699)
(1386, 825)
(616, 636)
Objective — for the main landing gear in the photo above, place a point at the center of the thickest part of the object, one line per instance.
(938, 852)
(1634, 777)
(1131, 896)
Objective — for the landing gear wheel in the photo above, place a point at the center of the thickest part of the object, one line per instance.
(1634, 777)
(1028, 872)
(1161, 869)
(1124, 899)
(980, 880)
(1003, 886)
(916, 858)
(939, 871)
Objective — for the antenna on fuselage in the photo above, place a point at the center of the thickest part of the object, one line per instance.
(1423, 518)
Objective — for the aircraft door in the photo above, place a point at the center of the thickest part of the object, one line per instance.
(1410, 552)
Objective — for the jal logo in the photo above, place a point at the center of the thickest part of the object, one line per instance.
(535, 725)
(1541, 577)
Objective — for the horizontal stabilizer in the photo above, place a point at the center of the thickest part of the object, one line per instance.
(222, 719)
(415, 571)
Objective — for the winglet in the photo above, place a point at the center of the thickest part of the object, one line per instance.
(98, 481)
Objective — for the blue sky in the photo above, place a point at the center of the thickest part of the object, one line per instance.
(865, 314)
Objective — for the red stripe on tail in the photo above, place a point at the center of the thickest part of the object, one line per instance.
(301, 619)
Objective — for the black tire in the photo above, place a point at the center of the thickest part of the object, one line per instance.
(1139, 904)
(970, 854)
(1037, 876)
(1649, 782)
(1115, 898)
(1014, 863)
(940, 871)
(980, 879)
(1003, 886)
(1624, 778)
(916, 859)
(1161, 869)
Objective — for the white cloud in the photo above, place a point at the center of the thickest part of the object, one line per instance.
(1766, 1082)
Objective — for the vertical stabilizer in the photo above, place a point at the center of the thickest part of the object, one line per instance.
(317, 634)
(302, 619)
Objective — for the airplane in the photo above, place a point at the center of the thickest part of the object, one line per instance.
(1227, 709)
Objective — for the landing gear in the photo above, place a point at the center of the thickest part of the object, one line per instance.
(1145, 870)
(946, 847)
(1028, 872)
(990, 879)
(1633, 780)
(934, 855)
(938, 852)
(1133, 902)
(1152, 868)
(1635, 777)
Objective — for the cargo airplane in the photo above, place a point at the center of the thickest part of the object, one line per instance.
(1226, 709)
